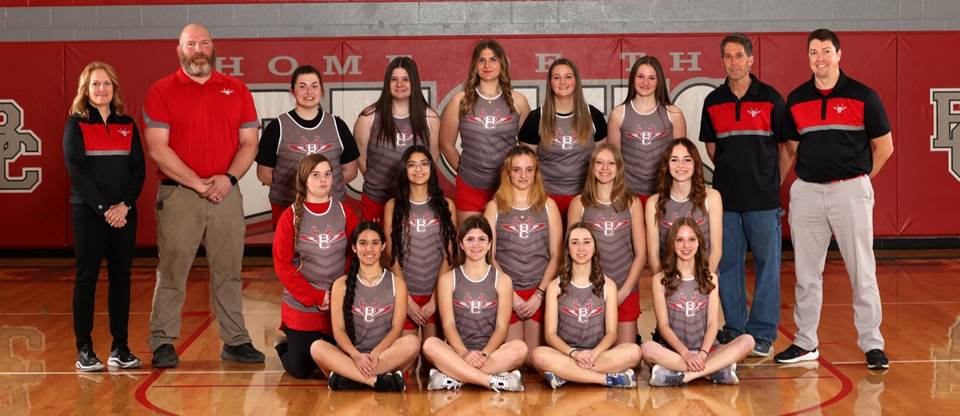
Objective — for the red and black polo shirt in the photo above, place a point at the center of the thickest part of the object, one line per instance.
(746, 132)
(835, 129)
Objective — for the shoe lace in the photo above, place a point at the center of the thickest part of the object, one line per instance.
(498, 382)
(674, 378)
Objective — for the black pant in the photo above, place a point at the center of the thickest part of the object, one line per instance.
(295, 355)
(95, 240)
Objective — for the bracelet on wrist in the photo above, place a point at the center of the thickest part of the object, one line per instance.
(572, 350)
(705, 352)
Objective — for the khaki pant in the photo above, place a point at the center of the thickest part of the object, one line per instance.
(845, 210)
(184, 220)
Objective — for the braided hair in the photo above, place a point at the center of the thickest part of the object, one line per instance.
(352, 275)
(400, 236)
(307, 164)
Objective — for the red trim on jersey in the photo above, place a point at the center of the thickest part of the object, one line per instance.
(833, 111)
(754, 116)
(110, 137)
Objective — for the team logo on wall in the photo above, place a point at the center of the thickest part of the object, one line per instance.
(15, 141)
(946, 118)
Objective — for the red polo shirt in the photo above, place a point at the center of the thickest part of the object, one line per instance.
(204, 119)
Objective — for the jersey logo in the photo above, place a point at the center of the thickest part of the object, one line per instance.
(946, 118)
(583, 312)
(15, 141)
(563, 140)
(839, 108)
(523, 226)
(372, 311)
(324, 239)
(124, 132)
(754, 112)
(404, 137)
(475, 306)
(420, 224)
(610, 225)
(490, 121)
(646, 136)
(689, 307)
(226, 91)
(310, 146)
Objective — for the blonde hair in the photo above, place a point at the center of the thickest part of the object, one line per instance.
(79, 105)
(504, 196)
(582, 119)
(620, 197)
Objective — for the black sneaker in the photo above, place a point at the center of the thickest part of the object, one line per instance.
(87, 360)
(877, 360)
(165, 357)
(123, 358)
(795, 354)
(390, 382)
(724, 336)
(243, 353)
(338, 382)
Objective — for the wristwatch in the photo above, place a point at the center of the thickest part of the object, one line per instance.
(233, 179)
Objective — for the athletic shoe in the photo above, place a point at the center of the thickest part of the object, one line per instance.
(661, 376)
(877, 360)
(511, 381)
(724, 336)
(761, 349)
(87, 360)
(165, 357)
(390, 382)
(338, 382)
(553, 380)
(795, 354)
(123, 358)
(624, 379)
(440, 381)
(243, 353)
(726, 375)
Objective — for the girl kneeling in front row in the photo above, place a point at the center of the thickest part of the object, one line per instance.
(580, 322)
(475, 303)
(687, 304)
(368, 308)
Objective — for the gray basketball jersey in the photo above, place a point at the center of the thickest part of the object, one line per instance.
(523, 245)
(614, 236)
(673, 211)
(487, 133)
(564, 160)
(643, 140)
(322, 244)
(424, 251)
(687, 314)
(383, 161)
(475, 307)
(581, 316)
(373, 311)
(296, 142)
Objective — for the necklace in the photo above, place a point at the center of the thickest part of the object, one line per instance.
(489, 99)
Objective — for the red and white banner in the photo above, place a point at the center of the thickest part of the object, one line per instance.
(916, 84)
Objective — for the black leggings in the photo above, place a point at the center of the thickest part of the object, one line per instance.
(295, 354)
(95, 240)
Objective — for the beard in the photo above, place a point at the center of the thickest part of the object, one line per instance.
(198, 65)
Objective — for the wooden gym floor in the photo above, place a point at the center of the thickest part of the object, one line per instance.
(921, 306)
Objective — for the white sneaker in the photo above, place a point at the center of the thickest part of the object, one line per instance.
(511, 381)
(440, 381)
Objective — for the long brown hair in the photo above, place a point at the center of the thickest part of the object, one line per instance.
(386, 127)
(566, 269)
(504, 195)
(470, 94)
(300, 186)
(582, 121)
(473, 221)
(620, 197)
(701, 268)
(80, 101)
(400, 235)
(660, 92)
(698, 187)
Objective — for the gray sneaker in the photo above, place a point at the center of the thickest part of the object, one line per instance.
(440, 381)
(511, 381)
(626, 379)
(664, 377)
(726, 375)
(553, 380)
